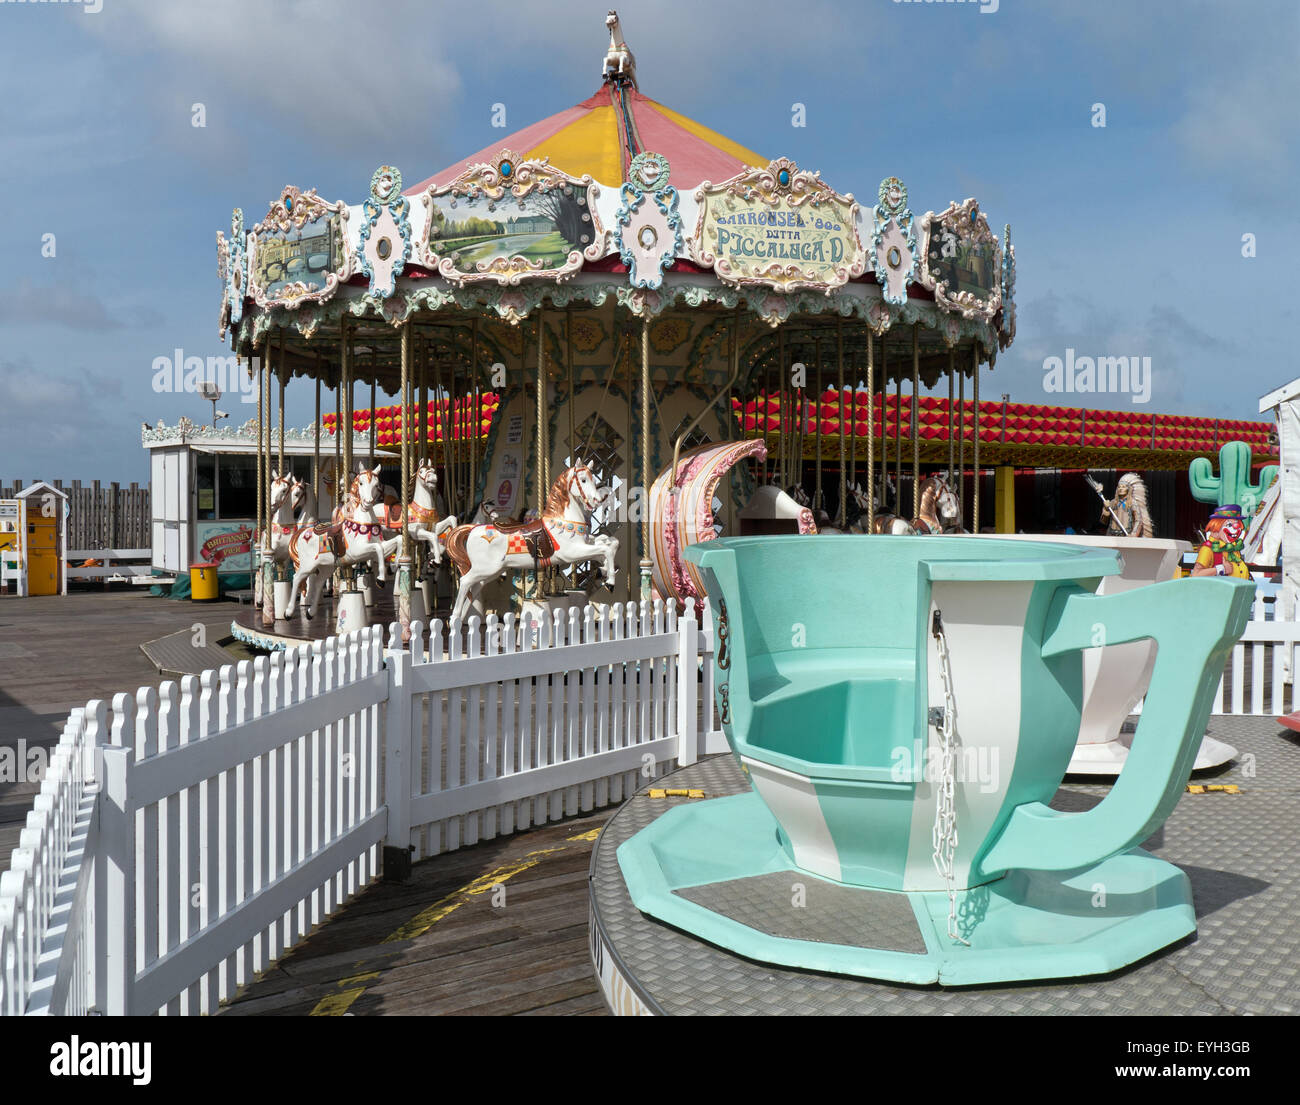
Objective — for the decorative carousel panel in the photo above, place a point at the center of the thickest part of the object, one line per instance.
(893, 241)
(961, 261)
(512, 221)
(297, 253)
(681, 512)
(232, 270)
(1007, 323)
(385, 243)
(778, 227)
(649, 228)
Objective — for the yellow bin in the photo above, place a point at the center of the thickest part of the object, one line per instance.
(203, 582)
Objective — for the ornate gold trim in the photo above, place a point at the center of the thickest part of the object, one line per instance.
(965, 220)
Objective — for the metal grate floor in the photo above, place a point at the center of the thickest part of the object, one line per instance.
(1239, 851)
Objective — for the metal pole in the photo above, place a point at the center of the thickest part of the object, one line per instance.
(871, 438)
(345, 427)
(961, 435)
(568, 357)
(817, 414)
(476, 417)
(404, 565)
(915, 420)
(315, 448)
(279, 372)
(884, 423)
(543, 485)
(845, 430)
(374, 376)
(976, 395)
(898, 444)
(951, 366)
(645, 458)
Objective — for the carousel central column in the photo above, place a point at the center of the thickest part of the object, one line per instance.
(404, 564)
(645, 458)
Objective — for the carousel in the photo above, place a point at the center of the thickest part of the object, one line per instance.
(586, 328)
(633, 359)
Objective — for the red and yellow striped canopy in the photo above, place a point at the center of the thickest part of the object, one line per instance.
(602, 134)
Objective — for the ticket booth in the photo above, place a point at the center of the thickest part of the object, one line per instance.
(34, 541)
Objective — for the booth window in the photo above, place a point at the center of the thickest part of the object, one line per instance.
(237, 486)
(205, 487)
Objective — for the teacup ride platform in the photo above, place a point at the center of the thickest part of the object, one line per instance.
(898, 734)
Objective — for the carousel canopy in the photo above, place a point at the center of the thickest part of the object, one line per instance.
(600, 136)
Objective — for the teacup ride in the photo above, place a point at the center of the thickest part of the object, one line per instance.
(905, 715)
(1115, 677)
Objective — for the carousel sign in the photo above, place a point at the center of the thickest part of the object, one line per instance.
(779, 227)
(297, 253)
(512, 221)
(961, 261)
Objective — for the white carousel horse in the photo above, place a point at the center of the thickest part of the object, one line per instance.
(562, 535)
(358, 538)
(422, 519)
(286, 498)
(940, 509)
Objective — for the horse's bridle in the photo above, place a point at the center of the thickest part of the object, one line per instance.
(587, 505)
(356, 493)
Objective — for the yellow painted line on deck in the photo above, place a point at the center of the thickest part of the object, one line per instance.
(335, 1005)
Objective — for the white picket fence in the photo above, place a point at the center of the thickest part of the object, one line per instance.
(187, 837)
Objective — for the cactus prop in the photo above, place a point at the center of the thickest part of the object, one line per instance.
(1232, 486)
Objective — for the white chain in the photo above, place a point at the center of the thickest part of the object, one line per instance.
(945, 812)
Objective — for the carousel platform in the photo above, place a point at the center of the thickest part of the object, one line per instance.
(247, 625)
(1234, 839)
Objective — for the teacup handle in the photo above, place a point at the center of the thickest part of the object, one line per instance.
(731, 665)
(1188, 666)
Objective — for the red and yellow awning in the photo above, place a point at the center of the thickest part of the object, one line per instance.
(601, 135)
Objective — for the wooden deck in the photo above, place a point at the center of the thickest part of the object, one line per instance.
(528, 956)
(58, 652)
(496, 929)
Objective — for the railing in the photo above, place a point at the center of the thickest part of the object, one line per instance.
(506, 727)
(236, 810)
(187, 837)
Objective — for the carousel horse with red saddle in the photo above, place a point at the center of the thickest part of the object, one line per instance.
(562, 535)
(356, 536)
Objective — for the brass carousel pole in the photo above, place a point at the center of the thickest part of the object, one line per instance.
(343, 485)
(568, 357)
(542, 486)
(476, 417)
(871, 428)
(950, 441)
(645, 459)
(264, 521)
(817, 414)
(337, 494)
(898, 445)
(915, 419)
(404, 564)
(374, 376)
(780, 383)
(258, 369)
(279, 373)
(975, 393)
(961, 435)
(884, 423)
(842, 519)
(315, 447)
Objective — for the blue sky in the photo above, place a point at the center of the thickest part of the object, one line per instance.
(1128, 237)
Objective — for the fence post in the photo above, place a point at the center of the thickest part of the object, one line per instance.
(688, 687)
(396, 737)
(115, 920)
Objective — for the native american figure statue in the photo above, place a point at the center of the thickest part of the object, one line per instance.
(1127, 511)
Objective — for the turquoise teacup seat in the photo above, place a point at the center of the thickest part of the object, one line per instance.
(842, 662)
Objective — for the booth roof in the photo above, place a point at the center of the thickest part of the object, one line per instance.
(592, 137)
